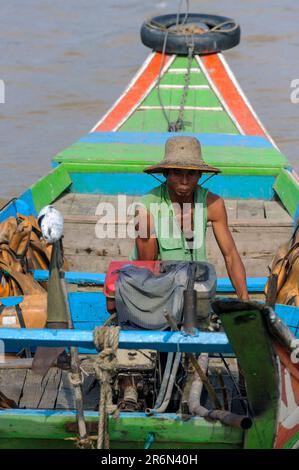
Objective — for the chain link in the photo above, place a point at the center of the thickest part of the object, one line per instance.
(178, 125)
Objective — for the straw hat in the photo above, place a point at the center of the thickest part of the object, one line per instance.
(182, 153)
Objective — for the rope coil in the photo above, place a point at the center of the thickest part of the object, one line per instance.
(106, 341)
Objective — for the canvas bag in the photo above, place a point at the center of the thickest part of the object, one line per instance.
(286, 266)
(22, 249)
(31, 312)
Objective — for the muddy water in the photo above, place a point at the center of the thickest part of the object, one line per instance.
(64, 63)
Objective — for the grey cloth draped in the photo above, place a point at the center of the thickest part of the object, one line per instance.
(143, 298)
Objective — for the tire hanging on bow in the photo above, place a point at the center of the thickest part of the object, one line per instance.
(211, 33)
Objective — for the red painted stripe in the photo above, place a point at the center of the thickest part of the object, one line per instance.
(136, 92)
(231, 96)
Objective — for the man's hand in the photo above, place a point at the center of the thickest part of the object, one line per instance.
(235, 268)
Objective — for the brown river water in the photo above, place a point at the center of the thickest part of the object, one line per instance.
(65, 63)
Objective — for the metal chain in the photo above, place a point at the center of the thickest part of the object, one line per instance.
(178, 125)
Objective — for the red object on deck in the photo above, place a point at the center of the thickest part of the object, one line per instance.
(112, 274)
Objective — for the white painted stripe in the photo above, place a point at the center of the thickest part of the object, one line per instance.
(154, 83)
(131, 84)
(187, 108)
(181, 87)
(217, 92)
(294, 176)
(183, 70)
(134, 79)
(242, 94)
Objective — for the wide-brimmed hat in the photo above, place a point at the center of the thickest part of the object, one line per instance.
(182, 153)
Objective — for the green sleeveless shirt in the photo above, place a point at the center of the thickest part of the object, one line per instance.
(172, 244)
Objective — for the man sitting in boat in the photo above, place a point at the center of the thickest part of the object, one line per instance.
(185, 206)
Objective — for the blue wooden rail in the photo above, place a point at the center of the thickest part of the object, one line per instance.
(159, 138)
(254, 284)
(165, 341)
(74, 277)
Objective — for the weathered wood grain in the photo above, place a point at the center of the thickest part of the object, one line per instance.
(250, 209)
(12, 383)
(64, 203)
(231, 208)
(65, 397)
(275, 211)
(48, 399)
(40, 392)
(85, 204)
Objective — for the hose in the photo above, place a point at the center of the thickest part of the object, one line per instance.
(165, 380)
(197, 385)
(166, 399)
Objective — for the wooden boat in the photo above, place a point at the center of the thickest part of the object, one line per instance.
(261, 192)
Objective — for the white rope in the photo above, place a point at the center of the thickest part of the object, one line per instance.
(106, 341)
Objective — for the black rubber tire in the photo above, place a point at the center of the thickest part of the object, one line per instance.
(206, 43)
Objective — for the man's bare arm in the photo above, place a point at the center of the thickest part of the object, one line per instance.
(146, 241)
(234, 266)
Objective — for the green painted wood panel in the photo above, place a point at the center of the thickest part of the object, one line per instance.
(258, 362)
(195, 121)
(125, 428)
(288, 191)
(153, 120)
(150, 154)
(122, 168)
(173, 97)
(182, 62)
(179, 79)
(48, 188)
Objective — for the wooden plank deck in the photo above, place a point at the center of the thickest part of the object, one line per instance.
(40, 392)
(12, 383)
(54, 391)
(258, 227)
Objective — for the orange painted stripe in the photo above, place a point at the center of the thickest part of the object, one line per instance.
(135, 94)
(231, 96)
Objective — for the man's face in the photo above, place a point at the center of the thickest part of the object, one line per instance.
(182, 182)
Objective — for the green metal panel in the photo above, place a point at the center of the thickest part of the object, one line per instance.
(48, 188)
(288, 191)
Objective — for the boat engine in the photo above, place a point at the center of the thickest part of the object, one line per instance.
(140, 372)
(137, 379)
